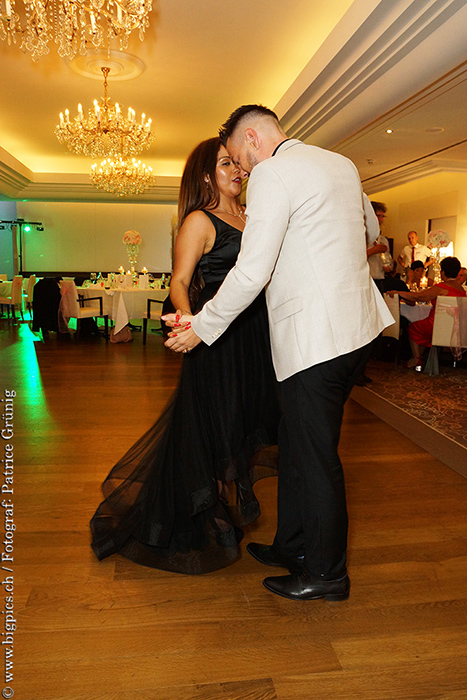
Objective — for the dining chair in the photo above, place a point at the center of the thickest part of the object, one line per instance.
(449, 331)
(153, 314)
(393, 331)
(28, 295)
(73, 305)
(15, 298)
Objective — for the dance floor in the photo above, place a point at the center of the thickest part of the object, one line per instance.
(111, 630)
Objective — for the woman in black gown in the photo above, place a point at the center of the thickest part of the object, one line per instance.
(178, 498)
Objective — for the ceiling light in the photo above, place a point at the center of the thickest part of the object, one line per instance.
(389, 131)
(122, 177)
(104, 131)
(74, 25)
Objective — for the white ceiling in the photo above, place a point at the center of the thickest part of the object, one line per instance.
(338, 74)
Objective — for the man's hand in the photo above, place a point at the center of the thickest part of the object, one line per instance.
(182, 338)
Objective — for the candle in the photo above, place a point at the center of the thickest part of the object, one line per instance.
(80, 112)
(144, 270)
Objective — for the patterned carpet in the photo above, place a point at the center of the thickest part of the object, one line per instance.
(440, 402)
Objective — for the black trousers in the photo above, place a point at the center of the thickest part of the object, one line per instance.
(312, 510)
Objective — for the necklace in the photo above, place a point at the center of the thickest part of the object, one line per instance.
(240, 214)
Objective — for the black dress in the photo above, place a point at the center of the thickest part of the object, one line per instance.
(178, 498)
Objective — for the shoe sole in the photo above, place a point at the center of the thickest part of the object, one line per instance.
(333, 597)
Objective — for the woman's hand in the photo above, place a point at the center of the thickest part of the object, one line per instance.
(177, 319)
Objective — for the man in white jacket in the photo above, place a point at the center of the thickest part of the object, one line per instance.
(308, 228)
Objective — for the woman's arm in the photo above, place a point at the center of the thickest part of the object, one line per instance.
(195, 238)
(424, 295)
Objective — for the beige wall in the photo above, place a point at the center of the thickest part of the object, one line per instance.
(410, 207)
(84, 236)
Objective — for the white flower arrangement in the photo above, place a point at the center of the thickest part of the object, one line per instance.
(438, 239)
(132, 238)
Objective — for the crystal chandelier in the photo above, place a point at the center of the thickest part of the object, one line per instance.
(122, 177)
(74, 25)
(104, 131)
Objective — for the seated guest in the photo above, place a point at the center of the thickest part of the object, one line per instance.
(416, 279)
(420, 332)
(462, 276)
(414, 251)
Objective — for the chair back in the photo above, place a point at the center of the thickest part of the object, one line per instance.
(69, 302)
(17, 290)
(31, 283)
(393, 331)
(450, 322)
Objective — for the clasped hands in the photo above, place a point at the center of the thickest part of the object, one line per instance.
(182, 338)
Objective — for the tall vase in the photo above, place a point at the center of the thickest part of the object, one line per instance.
(436, 266)
(132, 250)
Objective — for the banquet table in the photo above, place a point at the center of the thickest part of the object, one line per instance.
(123, 304)
(415, 313)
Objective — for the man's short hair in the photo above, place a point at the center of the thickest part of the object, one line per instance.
(379, 206)
(227, 129)
(416, 264)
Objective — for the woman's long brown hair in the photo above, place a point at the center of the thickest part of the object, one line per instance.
(196, 193)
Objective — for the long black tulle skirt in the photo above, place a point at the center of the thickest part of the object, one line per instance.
(178, 498)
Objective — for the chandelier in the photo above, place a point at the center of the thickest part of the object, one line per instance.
(122, 177)
(74, 25)
(104, 131)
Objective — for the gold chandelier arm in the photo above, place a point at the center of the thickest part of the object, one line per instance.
(74, 25)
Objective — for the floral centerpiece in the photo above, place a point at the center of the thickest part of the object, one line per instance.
(438, 239)
(132, 239)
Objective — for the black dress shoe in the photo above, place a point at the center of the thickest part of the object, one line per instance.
(302, 586)
(267, 555)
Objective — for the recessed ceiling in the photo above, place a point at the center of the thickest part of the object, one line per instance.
(339, 74)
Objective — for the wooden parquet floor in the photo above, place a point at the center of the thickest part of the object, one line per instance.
(111, 630)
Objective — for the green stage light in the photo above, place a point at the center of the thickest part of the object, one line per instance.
(27, 228)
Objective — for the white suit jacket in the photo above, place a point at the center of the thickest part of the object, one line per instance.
(305, 241)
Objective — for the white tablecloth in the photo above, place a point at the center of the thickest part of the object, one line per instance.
(123, 305)
(415, 313)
